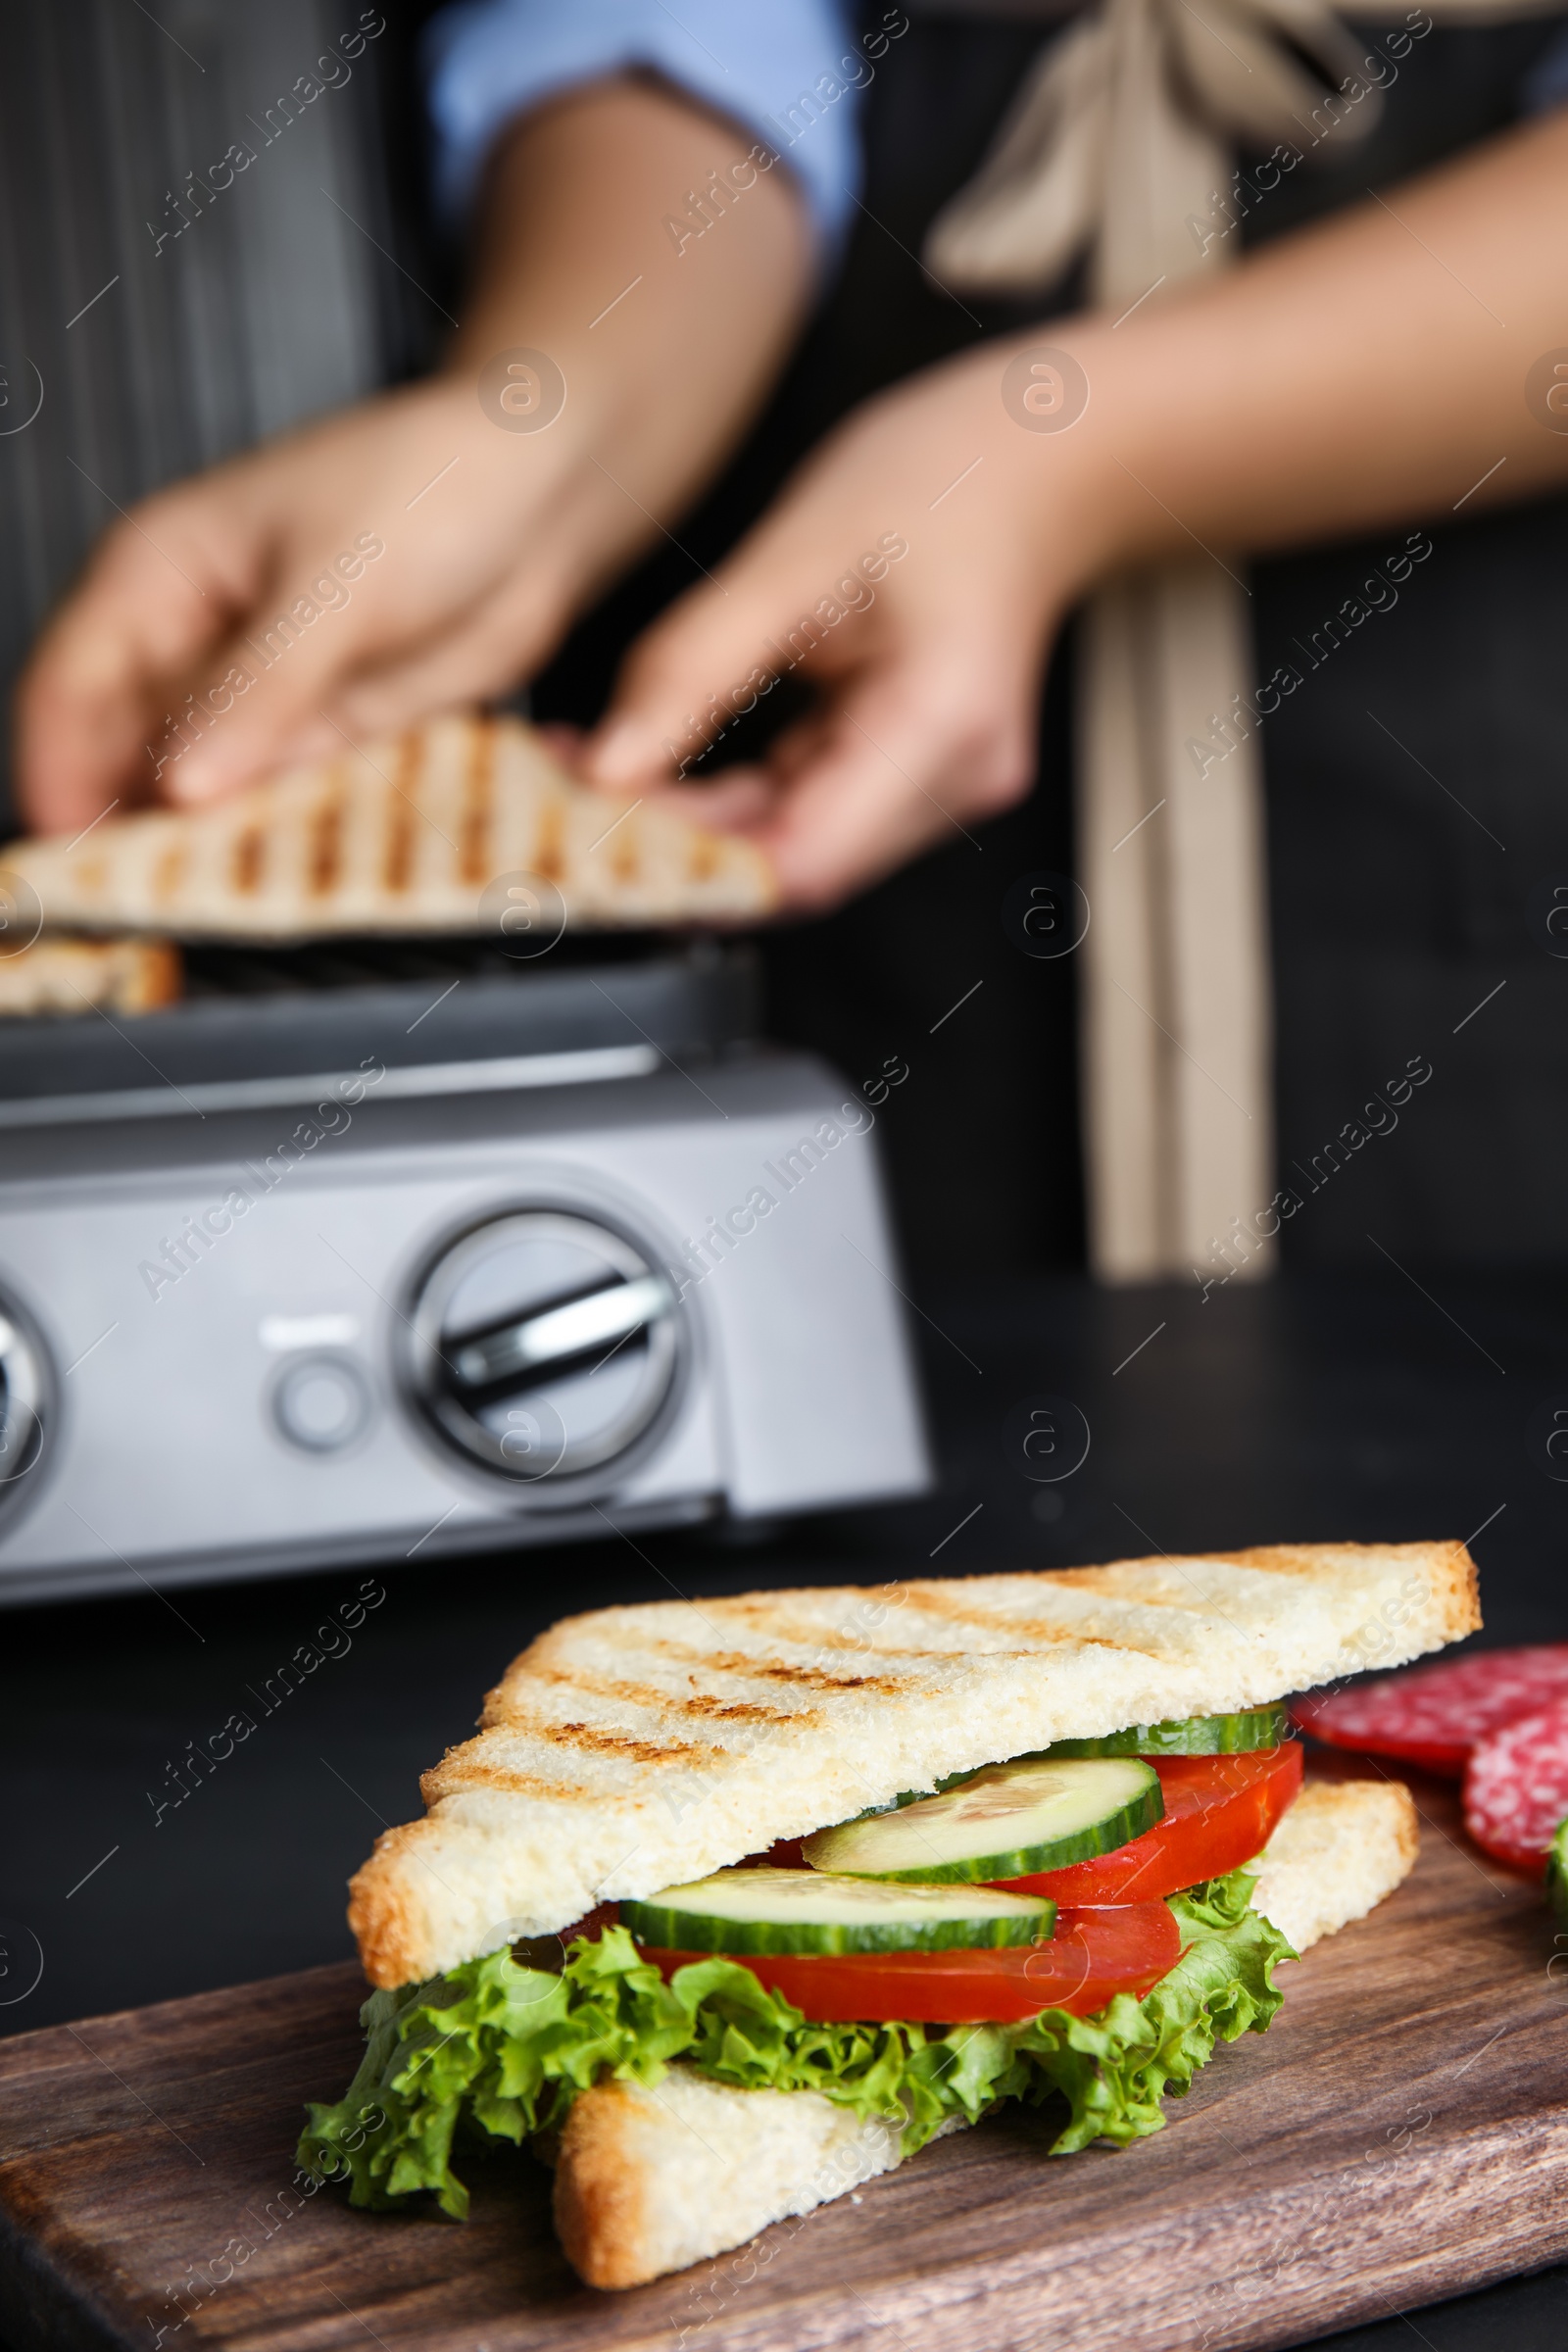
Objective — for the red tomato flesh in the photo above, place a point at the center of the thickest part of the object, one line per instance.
(1093, 1954)
(1219, 1812)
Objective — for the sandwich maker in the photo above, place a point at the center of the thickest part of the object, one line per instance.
(374, 1250)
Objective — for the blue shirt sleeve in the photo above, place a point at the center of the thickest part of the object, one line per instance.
(1545, 85)
(788, 70)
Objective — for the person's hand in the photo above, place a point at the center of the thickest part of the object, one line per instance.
(914, 572)
(309, 594)
(401, 557)
(413, 553)
(1331, 383)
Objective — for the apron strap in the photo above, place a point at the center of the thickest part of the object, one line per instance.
(1119, 143)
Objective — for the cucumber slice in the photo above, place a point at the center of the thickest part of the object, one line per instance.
(807, 1911)
(1557, 1871)
(1189, 1735)
(1006, 1822)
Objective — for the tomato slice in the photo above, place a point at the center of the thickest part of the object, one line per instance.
(1094, 1954)
(1219, 1812)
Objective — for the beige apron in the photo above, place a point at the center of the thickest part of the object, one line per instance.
(1120, 149)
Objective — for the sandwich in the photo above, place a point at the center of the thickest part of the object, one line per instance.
(83, 975)
(734, 1904)
(421, 834)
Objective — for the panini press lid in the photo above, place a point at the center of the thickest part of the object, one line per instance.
(259, 1027)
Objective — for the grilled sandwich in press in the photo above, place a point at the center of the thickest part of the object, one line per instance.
(403, 836)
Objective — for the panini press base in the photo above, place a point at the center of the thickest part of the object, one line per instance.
(374, 1250)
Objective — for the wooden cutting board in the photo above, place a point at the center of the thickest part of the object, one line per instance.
(1399, 2134)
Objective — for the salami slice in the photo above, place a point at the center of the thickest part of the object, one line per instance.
(1434, 1715)
(1516, 1788)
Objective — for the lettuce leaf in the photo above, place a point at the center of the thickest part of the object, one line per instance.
(498, 2050)
(1114, 2069)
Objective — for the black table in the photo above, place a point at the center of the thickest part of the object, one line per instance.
(1317, 1408)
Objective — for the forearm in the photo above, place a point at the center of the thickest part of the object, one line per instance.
(1344, 379)
(666, 349)
(1367, 371)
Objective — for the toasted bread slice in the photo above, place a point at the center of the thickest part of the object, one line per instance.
(403, 837)
(1341, 1848)
(652, 2179)
(635, 1748)
(76, 975)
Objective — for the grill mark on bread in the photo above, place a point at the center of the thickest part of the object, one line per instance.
(326, 847)
(478, 804)
(246, 864)
(1274, 1560)
(1029, 1634)
(397, 870)
(703, 863)
(770, 1614)
(725, 1666)
(624, 1745)
(812, 1678)
(455, 1773)
(799, 1629)
(830, 1640)
(512, 1714)
(722, 1664)
(168, 875)
(589, 1740)
(1183, 1577)
(90, 877)
(506, 1708)
(548, 860)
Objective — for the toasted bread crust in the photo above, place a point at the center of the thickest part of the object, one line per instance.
(652, 2177)
(382, 1918)
(633, 1747)
(600, 2192)
(160, 976)
(1343, 1847)
(76, 975)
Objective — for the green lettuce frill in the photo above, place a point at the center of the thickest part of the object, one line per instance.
(507, 2049)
